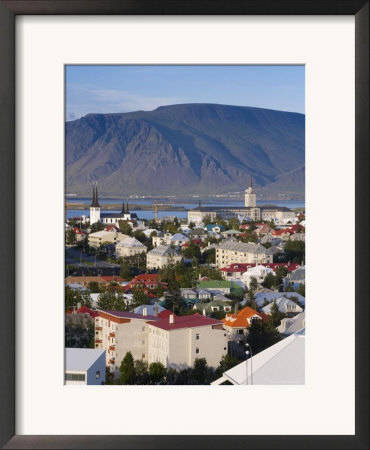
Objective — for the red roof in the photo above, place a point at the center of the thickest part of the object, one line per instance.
(192, 321)
(165, 314)
(84, 310)
(113, 278)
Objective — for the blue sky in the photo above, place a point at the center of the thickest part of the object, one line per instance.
(109, 89)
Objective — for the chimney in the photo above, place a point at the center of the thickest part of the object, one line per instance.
(171, 318)
(78, 305)
(236, 308)
(156, 311)
(145, 311)
(204, 312)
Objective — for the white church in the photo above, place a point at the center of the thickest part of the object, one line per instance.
(108, 218)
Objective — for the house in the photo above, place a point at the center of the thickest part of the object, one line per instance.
(229, 252)
(83, 316)
(298, 237)
(215, 228)
(282, 363)
(295, 278)
(262, 228)
(84, 366)
(219, 285)
(161, 239)
(291, 325)
(151, 310)
(213, 306)
(266, 296)
(178, 239)
(284, 305)
(147, 280)
(198, 233)
(100, 237)
(237, 324)
(209, 247)
(161, 256)
(177, 341)
(129, 247)
(258, 272)
(85, 280)
(231, 233)
(271, 239)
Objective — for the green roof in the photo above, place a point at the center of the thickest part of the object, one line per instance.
(214, 284)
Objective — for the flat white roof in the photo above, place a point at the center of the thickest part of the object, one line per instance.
(81, 359)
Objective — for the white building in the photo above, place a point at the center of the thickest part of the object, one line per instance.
(84, 366)
(108, 218)
(129, 247)
(162, 256)
(258, 272)
(250, 196)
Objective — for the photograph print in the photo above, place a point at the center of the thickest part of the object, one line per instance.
(184, 225)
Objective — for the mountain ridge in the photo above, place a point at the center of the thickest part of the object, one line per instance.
(184, 149)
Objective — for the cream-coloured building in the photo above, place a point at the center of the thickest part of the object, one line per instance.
(229, 252)
(174, 341)
(177, 341)
(98, 238)
(119, 332)
(129, 247)
(161, 256)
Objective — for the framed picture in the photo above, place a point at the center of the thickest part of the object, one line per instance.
(54, 55)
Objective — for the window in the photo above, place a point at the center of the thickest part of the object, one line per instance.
(197, 350)
(143, 356)
(75, 377)
(197, 337)
(97, 374)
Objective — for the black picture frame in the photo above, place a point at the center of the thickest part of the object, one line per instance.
(8, 220)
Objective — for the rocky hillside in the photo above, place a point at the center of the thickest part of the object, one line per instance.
(185, 149)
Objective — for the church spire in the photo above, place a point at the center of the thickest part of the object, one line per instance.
(123, 208)
(250, 182)
(95, 201)
(127, 210)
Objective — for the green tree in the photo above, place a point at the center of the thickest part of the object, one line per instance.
(302, 290)
(275, 315)
(234, 223)
(70, 237)
(209, 256)
(253, 284)
(270, 281)
(295, 251)
(127, 370)
(125, 227)
(125, 271)
(227, 362)
(97, 226)
(262, 335)
(139, 296)
(280, 273)
(192, 251)
(94, 286)
(142, 375)
(201, 372)
(157, 372)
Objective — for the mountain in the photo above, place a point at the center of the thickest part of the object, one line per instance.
(185, 149)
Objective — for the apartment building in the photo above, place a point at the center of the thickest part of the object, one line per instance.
(177, 341)
(119, 332)
(129, 247)
(98, 238)
(174, 341)
(230, 252)
(161, 256)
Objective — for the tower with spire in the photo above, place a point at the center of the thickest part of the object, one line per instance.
(95, 207)
(250, 196)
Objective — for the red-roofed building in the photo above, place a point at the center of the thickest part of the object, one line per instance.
(148, 280)
(172, 340)
(81, 316)
(176, 341)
